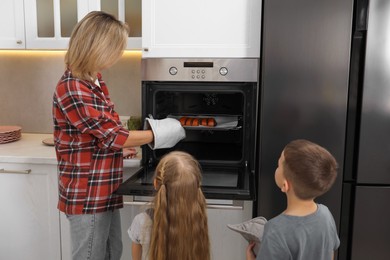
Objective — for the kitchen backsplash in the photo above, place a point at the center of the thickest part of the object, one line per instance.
(28, 79)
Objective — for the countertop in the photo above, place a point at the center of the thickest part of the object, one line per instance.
(30, 149)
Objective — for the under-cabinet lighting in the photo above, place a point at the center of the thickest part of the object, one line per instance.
(31, 52)
(132, 53)
(127, 53)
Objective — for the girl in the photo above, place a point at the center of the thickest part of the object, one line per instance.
(176, 228)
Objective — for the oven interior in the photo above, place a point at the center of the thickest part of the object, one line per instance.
(225, 151)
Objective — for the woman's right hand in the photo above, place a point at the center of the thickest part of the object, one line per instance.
(167, 132)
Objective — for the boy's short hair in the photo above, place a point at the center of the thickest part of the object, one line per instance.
(310, 168)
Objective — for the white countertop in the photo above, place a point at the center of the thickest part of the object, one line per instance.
(30, 149)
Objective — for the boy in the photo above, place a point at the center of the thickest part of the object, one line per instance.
(305, 230)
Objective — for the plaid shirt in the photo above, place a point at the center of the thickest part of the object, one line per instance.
(88, 140)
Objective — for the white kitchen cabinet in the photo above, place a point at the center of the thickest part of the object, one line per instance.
(12, 24)
(201, 28)
(225, 243)
(128, 11)
(66, 250)
(47, 24)
(29, 226)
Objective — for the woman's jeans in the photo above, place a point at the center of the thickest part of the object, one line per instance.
(96, 236)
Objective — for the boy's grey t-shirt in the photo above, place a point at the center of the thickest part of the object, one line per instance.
(300, 238)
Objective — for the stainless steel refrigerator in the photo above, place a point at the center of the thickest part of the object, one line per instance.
(304, 89)
(366, 189)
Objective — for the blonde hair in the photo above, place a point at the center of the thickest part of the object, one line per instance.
(311, 168)
(180, 228)
(96, 42)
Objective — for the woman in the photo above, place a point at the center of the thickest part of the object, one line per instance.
(90, 141)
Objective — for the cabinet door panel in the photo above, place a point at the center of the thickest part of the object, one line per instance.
(47, 24)
(371, 224)
(29, 224)
(374, 147)
(12, 24)
(128, 11)
(201, 28)
(225, 243)
(33, 39)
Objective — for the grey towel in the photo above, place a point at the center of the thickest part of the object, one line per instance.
(251, 230)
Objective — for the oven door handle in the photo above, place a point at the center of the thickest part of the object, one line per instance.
(252, 181)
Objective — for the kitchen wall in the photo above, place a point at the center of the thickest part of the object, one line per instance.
(28, 79)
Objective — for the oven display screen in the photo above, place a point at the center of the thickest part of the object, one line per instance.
(198, 64)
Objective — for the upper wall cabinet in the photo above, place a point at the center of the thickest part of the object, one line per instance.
(12, 24)
(128, 11)
(47, 24)
(201, 28)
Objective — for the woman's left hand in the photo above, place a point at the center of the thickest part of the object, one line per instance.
(129, 153)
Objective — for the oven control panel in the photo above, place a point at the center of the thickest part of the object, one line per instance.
(240, 70)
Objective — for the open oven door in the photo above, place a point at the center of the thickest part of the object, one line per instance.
(218, 182)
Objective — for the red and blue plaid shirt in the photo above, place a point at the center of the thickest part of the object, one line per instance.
(88, 138)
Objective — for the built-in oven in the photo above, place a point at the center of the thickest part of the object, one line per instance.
(222, 91)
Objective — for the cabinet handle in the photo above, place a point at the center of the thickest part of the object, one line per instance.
(146, 49)
(213, 206)
(135, 203)
(13, 171)
(237, 205)
(19, 42)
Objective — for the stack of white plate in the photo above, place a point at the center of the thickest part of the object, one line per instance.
(10, 133)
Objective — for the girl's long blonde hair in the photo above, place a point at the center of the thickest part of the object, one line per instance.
(180, 230)
(96, 43)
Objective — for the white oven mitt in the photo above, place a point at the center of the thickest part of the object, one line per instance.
(167, 132)
(251, 230)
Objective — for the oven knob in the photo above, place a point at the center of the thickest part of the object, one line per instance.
(173, 70)
(223, 71)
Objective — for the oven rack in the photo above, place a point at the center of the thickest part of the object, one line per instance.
(222, 122)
